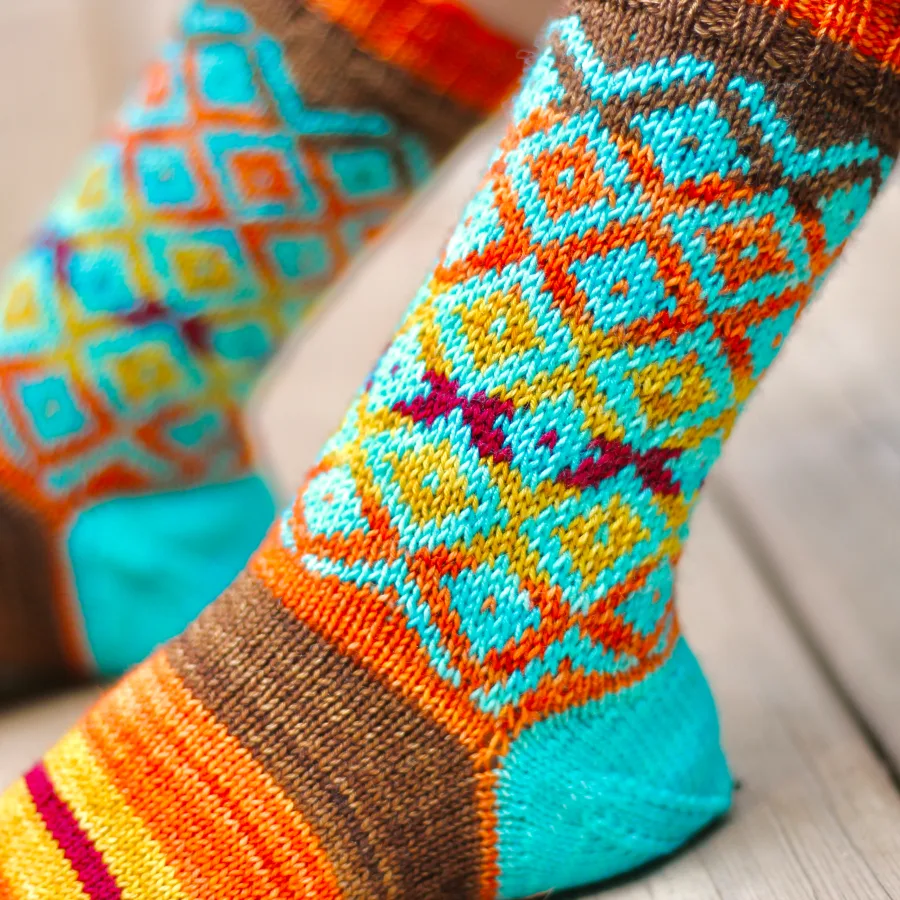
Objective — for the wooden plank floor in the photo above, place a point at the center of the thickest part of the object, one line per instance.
(790, 583)
(813, 478)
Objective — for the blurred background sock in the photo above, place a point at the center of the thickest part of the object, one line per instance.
(267, 145)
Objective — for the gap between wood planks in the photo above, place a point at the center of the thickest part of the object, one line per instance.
(756, 550)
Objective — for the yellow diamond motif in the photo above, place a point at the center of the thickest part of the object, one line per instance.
(21, 309)
(431, 483)
(498, 327)
(591, 557)
(146, 373)
(671, 388)
(203, 269)
(94, 193)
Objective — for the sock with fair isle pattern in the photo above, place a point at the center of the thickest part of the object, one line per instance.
(454, 669)
(265, 148)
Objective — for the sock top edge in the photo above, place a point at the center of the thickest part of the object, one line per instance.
(439, 42)
(843, 69)
(870, 29)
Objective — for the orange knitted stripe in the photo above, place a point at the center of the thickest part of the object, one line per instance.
(201, 794)
(871, 27)
(436, 41)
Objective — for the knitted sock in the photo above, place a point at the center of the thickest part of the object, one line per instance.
(454, 669)
(266, 147)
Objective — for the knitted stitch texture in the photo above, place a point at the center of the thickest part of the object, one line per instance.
(264, 149)
(454, 670)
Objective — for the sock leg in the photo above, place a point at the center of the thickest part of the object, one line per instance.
(454, 669)
(268, 144)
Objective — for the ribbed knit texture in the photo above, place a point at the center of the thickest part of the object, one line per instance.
(454, 670)
(267, 145)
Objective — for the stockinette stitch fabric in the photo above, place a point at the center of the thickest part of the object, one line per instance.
(454, 669)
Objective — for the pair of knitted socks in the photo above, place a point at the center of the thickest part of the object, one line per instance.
(454, 667)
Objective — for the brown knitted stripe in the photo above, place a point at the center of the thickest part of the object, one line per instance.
(333, 71)
(390, 794)
(766, 172)
(31, 648)
(831, 94)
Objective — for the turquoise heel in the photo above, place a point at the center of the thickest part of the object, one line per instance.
(145, 567)
(598, 791)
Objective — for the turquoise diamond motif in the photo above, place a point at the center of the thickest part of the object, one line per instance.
(52, 408)
(302, 258)
(99, 280)
(226, 77)
(166, 177)
(364, 174)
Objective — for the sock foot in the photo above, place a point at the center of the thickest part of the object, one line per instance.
(332, 765)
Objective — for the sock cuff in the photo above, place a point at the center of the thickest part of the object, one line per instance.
(870, 28)
(429, 65)
(439, 42)
(832, 65)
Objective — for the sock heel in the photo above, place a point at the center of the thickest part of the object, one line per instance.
(169, 554)
(598, 791)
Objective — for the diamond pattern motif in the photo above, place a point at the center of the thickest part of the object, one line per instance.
(197, 234)
(517, 476)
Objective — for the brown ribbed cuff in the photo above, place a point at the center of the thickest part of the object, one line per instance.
(335, 67)
(831, 92)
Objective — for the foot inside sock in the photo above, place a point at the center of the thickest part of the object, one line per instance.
(266, 147)
(454, 669)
